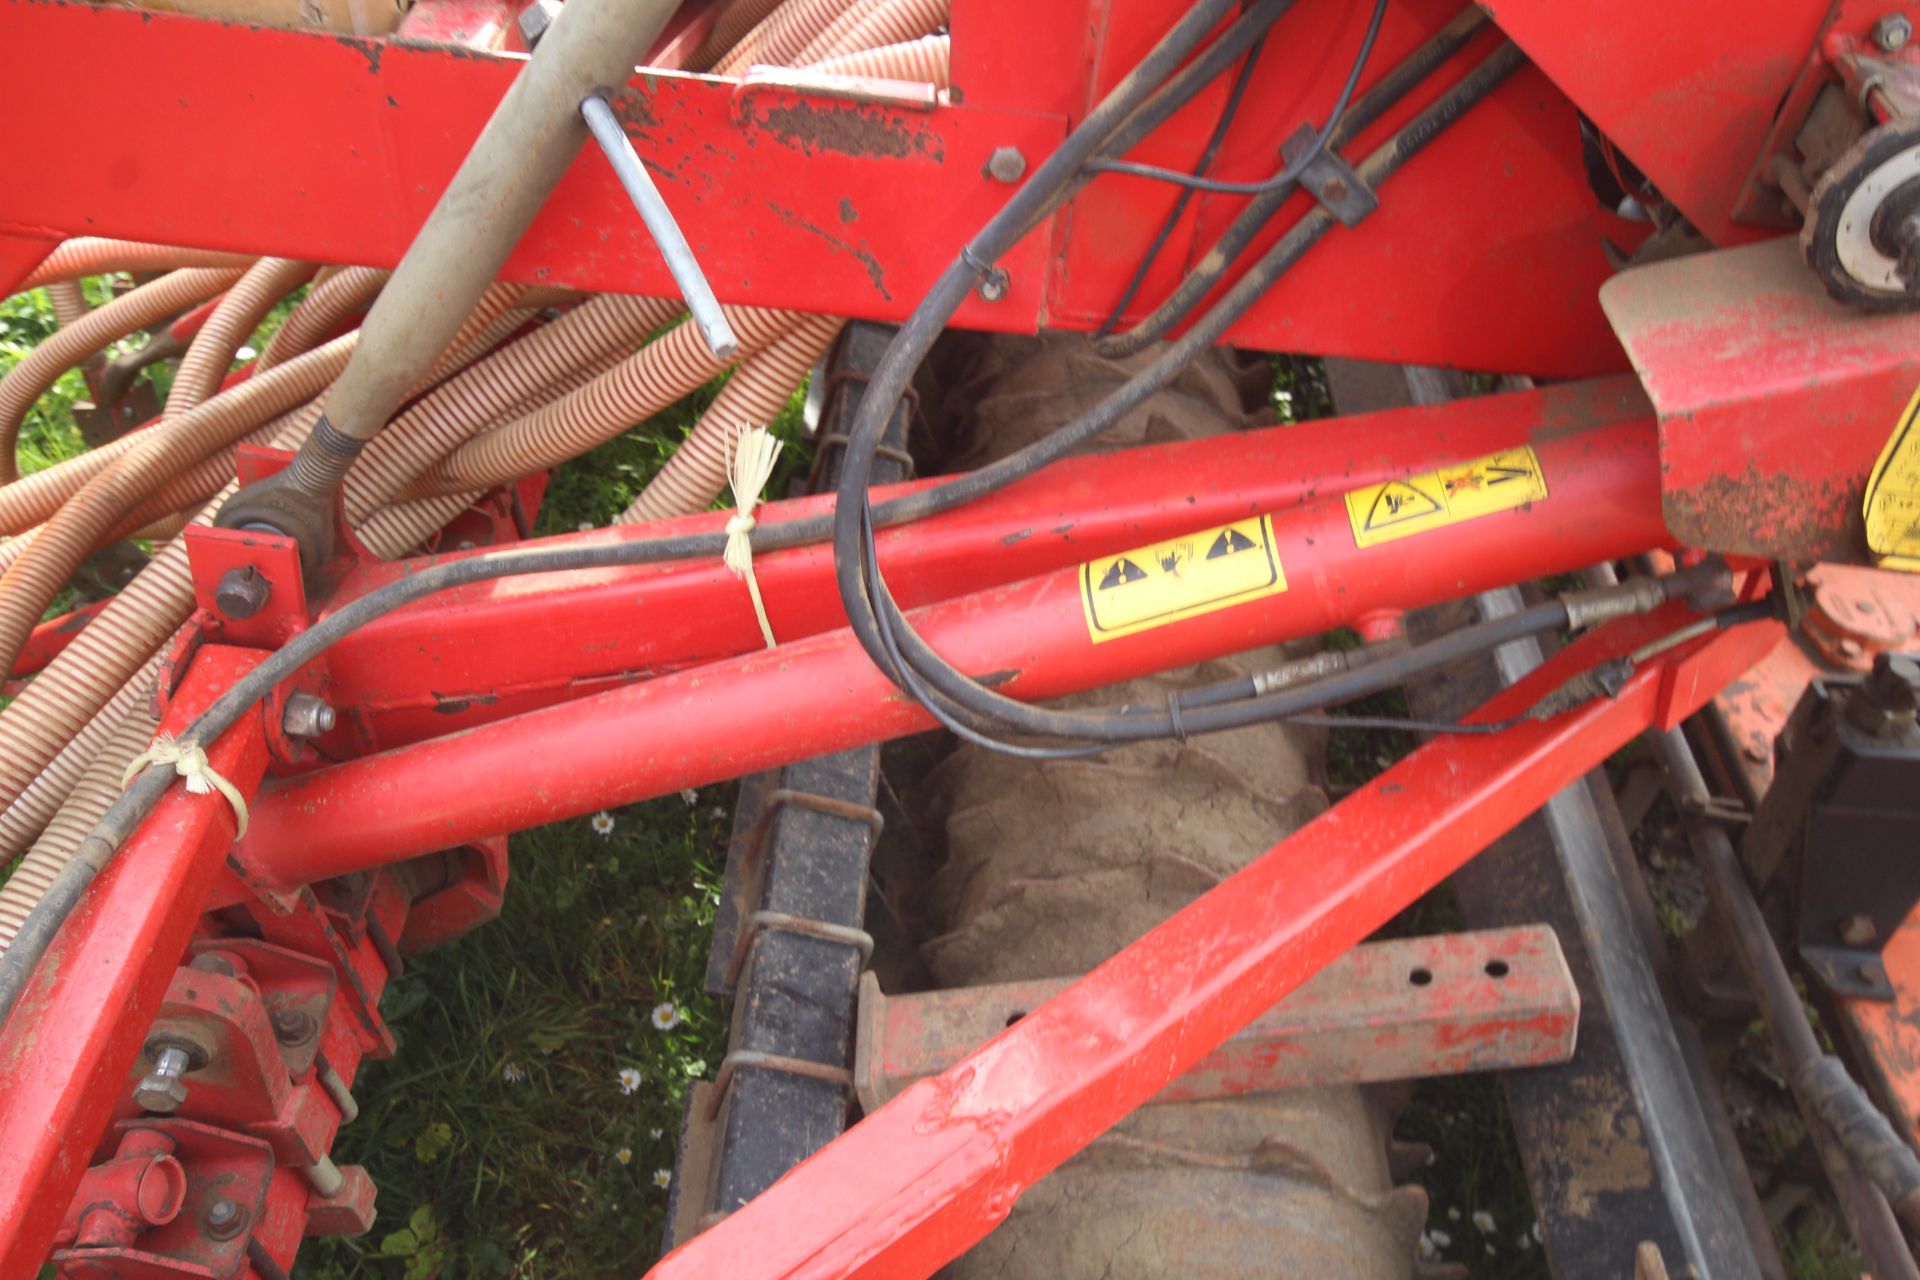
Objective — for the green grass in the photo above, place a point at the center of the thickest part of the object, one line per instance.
(496, 1133)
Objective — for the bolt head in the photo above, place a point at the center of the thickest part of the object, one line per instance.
(1892, 32)
(534, 21)
(224, 1219)
(307, 716)
(1858, 931)
(1006, 164)
(292, 1026)
(994, 287)
(156, 1092)
(241, 592)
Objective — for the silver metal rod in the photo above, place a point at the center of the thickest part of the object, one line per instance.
(660, 224)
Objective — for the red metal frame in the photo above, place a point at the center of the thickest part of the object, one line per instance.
(1762, 407)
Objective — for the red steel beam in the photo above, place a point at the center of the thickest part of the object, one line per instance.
(461, 658)
(67, 1050)
(1400, 1009)
(919, 1181)
(822, 694)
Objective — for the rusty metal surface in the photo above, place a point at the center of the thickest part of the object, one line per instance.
(1773, 399)
(1394, 1010)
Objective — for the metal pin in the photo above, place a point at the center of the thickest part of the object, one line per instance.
(660, 224)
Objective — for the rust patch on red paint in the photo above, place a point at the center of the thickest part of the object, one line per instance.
(850, 130)
(1771, 514)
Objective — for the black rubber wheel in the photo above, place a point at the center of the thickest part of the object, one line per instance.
(1826, 224)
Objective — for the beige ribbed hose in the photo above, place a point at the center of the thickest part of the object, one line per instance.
(66, 348)
(780, 35)
(344, 293)
(97, 789)
(758, 390)
(924, 60)
(449, 415)
(233, 321)
(33, 580)
(888, 22)
(669, 367)
(92, 256)
(69, 302)
(734, 22)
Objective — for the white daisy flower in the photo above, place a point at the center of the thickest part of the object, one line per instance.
(654, 1134)
(629, 1081)
(603, 823)
(512, 1072)
(624, 1155)
(1539, 1237)
(663, 1178)
(1453, 1214)
(245, 353)
(689, 795)
(586, 526)
(1483, 1221)
(1440, 1238)
(666, 1016)
(1427, 1250)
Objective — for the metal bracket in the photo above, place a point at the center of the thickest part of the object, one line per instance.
(1331, 179)
(1856, 975)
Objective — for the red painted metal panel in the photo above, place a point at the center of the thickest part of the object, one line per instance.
(66, 1051)
(787, 201)
(1486, 253)
(1773, 399)
(1688, 92)
(459, 659)
(917, 1182)
(823, 694)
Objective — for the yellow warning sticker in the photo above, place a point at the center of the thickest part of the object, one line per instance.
(1401, 508)
(1893, 496)
(1182, 577)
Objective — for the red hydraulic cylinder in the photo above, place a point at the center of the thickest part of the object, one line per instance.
(67, 1049)
(463, 658)
(919, 1181)
(822, 694)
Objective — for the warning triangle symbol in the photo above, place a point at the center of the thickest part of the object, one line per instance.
(1121, 572)
(1399, 501)
(1229, 541)
(1503, 474)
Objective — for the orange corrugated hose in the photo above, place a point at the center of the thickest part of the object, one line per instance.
(233, 321)
(65, 348)
(924, 60)
(757, 391)
(92, 256)
(345, 292)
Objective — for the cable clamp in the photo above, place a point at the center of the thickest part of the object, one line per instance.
(1333, 181)
(189, 761)
(993, 280)
(754, 455)
(1173, 714)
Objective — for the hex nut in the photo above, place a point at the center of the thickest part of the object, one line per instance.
(1892, 32)
(1006, 164)
(224, 1219)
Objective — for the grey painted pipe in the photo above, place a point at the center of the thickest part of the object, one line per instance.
(533, 136)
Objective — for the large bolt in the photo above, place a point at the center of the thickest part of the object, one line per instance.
(307, 716)
(161, 1089)
(1892, 32)
(292, 1026)
(1007, 165)
(1887, 701)
(242, 592)
(224, 1219)
(994, 286)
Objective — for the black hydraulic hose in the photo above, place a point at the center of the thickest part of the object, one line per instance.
(1366, 109)
(878, 623)
(1294, 167)
(1208, 154)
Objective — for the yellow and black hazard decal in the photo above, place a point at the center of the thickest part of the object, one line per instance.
(1182, 577)
(1893, 496)
(1402, 508)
